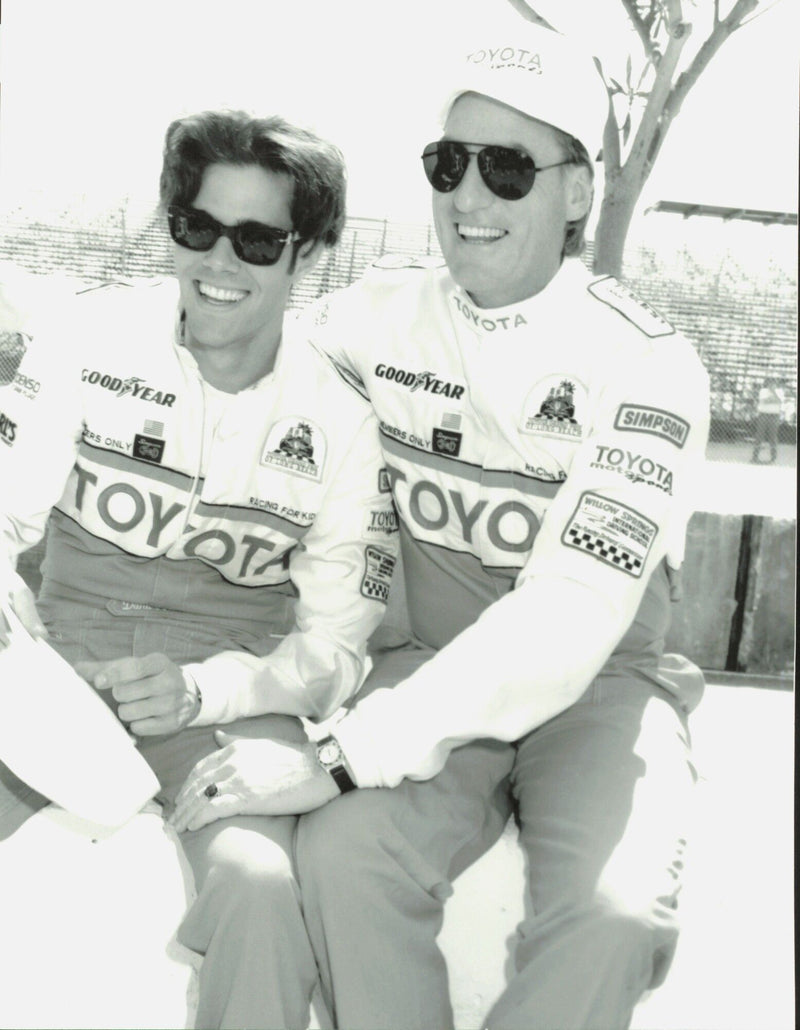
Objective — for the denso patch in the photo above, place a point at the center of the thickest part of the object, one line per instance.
(377, 574)
(636, 418)
(12, 350)
(637, 311)
(555, 407)
(611, 532)
(296, 445)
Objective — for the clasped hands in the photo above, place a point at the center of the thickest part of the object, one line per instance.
(251, 776)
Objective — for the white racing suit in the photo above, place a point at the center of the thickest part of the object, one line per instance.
(542, 459)
(217, 529)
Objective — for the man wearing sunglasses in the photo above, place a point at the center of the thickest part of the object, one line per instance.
(221, 531)
(542, 430)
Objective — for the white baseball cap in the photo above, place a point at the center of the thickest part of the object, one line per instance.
(540, 73)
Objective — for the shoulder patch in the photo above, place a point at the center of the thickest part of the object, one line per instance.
(397, 261)
(637, 311)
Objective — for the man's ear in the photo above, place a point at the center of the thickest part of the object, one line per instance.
(307, 255)
(580, 192)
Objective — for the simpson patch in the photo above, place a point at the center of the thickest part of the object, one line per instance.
(611, 532)
(377, 575)
(635, 418)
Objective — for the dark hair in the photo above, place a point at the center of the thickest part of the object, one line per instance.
(315, 166)
(577, 154)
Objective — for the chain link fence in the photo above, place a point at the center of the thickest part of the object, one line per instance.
(738, 307)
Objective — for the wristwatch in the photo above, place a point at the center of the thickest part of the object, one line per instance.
(331, 757)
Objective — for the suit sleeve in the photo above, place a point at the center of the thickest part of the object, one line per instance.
(330, 324)
(622, 510)
(40, 426)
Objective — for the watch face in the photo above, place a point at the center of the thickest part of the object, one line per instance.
(328, 754)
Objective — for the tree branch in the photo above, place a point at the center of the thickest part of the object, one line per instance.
(764, 8)
(642, 29)
(611, 148)
(722, 30)
(656, 117)
(675, 21)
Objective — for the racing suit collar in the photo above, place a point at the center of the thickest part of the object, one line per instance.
(508, 321)
(186, 357)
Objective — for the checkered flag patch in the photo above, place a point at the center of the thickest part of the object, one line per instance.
(377, 575)
(602, 548)
(379, 591)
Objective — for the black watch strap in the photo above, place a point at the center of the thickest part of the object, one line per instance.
(342, 778)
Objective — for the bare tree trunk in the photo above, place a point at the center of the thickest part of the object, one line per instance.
(616, 212)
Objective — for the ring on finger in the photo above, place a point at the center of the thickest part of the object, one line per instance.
(211, 790)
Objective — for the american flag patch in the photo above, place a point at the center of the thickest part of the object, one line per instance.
(450, 420)
(153, 428)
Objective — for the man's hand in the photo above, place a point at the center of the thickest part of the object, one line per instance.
(153, 695)
(22, 601)
(252, 777)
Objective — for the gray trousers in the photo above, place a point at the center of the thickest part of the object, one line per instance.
(602, 794)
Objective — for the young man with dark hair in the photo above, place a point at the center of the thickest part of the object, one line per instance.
(220, 530)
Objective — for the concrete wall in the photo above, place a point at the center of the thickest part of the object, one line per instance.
(768, 643)
(705, 620)
(701, 620)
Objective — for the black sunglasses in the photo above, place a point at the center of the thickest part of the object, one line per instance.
(508, 173)
(252, 242)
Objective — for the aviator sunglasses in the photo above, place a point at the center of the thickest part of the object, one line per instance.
(507, 172)
(253, 242)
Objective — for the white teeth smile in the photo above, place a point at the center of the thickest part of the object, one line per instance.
(217, 293)
(477, 232)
